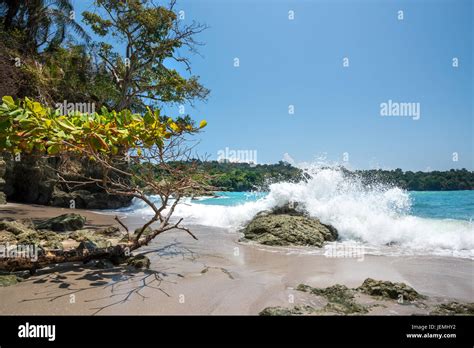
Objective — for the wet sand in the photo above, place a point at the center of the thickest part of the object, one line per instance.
(220, 275)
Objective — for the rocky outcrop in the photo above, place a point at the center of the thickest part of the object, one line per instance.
(29, 180)
(288, 226)
(25, 233)
(34, 180)
(296, 310)
(16, 227)
(62, 223)
(340, 299)
(454, 308)
(343, 300)
(389, 290)
(83, 199)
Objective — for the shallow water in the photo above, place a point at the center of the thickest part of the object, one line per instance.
(384, 219)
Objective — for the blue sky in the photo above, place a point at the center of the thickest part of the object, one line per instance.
(299, 62)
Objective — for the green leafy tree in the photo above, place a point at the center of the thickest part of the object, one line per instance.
(151, 36)
(114, 141)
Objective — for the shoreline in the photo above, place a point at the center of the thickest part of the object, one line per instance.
(217, 274)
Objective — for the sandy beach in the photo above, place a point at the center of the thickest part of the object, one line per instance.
(220, 275)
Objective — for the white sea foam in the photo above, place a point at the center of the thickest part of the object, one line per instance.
(377, 215)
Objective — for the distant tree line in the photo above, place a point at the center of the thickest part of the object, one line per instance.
(454, 179)
(246, 177)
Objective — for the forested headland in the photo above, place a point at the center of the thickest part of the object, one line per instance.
(246, 177)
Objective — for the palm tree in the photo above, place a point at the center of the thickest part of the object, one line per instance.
(44, 22)
(12, 8)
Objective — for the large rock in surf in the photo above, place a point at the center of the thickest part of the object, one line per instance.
(287, 226)
(61, 223)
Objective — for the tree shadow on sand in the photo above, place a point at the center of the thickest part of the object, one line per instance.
(124, 282)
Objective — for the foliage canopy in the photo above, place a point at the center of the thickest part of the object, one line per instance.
(27, 126)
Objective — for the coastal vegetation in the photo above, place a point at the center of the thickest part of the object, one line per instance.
(246, 177)
(111, 141)
(117, 147)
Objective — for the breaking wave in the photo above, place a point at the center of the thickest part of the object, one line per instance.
(376, 215)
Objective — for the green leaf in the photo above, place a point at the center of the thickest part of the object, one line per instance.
(8, 100)
(66, 124)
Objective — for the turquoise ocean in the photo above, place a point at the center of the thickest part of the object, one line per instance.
(384, 219)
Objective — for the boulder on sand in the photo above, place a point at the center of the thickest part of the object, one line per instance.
(287, 226)
(139, 261)
(389, 290)
(65, 222)
(340, 298)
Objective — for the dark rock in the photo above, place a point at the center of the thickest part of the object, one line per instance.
(84, 199)
(30, 180)
(65, 222)
(90, 246)
(21, 275)
(34, 180)
(285, 229)
(90, 240)
(389, 290)
(104, 264)
(139, 261)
